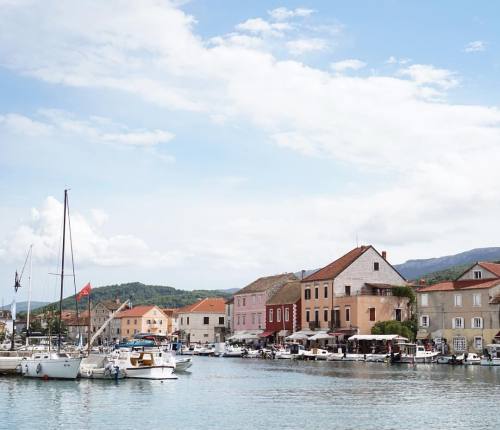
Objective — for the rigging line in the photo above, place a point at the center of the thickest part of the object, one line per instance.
(24, 266)
(73, 267)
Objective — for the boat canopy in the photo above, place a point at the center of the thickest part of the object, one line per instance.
(377, 337)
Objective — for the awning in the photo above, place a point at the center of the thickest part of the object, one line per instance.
(267, 334)
(298, 336)
(321, 336)
(244, 335)
(377, 337)
(498, 334)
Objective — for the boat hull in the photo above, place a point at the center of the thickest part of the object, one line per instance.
(183, 364)
(64, 368)
(150, 372)
(10, 364)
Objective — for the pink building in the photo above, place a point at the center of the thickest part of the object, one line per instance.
(249, 312)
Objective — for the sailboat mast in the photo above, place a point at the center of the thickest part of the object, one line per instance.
(62, 272)
(29, 297)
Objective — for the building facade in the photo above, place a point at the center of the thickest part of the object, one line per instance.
(352, 293)
(464, 313)
(203, 321)
(142, 319)
(250, 302)
(100, 313)
(283, 311)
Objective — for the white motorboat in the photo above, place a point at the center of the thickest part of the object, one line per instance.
(100, 367)
(292, 351)
(183, 363)
(340, 356)
(411, 353)
(472, 358)
(492, 358)
(51, 365)
(233, 351)
(316, 354)
(146, 364)
(207, 350)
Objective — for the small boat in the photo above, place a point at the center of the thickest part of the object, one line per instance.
(233, 351)
(411, 353)
(491, 356)
(316, 354)
(100, 367)
(51, 365)
(472, 358)
(292, 351)
(145, 364)
(183, 363)
(342, 356)
(207, 350)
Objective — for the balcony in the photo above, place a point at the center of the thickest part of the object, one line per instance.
(313, 325)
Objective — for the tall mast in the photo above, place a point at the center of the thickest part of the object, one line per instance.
(29, 297)
(62, 272)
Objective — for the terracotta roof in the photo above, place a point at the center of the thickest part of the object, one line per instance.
(491, 267)
(338, 266)
(138, 311)
(288, 294)
(468, 284)
(378, 285)
(216, 305)
(267, 282)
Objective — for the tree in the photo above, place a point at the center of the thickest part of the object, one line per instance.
(392, 327)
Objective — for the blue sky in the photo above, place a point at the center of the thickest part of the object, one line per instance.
(209, 143)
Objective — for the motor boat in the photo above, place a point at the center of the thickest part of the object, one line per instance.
(207, 350)
(51, 365)
(100, 367)
(472, 358)
(491, 356)
(183, 363)
(145, 363)
(316, 354)
(411, 353)
(233, 351)
(345, 356)
(292, 351)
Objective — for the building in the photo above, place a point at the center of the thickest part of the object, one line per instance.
(352, 293)
(171, 315)
(250, 302)
(78, 326)
(229, 315)
(142, 319)
(283, 311)
(100, 313)
(203, 321)
(465, 313)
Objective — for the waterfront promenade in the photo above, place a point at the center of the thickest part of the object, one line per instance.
(236, 393)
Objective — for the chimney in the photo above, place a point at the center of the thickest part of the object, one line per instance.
(302, 273)
(384, 255)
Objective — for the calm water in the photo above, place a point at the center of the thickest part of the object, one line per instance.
(225, 393)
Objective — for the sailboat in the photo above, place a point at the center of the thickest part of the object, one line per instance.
(52, 364)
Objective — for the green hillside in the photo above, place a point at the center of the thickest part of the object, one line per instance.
(448, 274)
(141, 294)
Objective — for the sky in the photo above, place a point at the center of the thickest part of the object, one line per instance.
(208, 143)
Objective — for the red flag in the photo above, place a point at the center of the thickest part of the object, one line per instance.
(84, 292)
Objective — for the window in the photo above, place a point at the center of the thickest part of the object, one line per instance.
(348, 314)
(316, 315)
(243, 318)
(336, 317)
(478, 343)
(182, 320)
(259, 318)
(347, 290)
(238, 302)
(128, 331)
(457, 322)
(135, 321)
(254, 299)
(424, 299)
(478, 274)
(458, 299)
(287, 314)
(221, 320)
(205, 335)
(476, 322)
(128, 322)
(307, 294)
(398, 314)
(376, 266)
(316, 293)
(278, 315)
(238, 319)
(325, 293)
(244, 301)
(325, 315)
(206, 320)
(271, 312)
(187, 322)
(308, 315)
(459, 343)
(253, 318)
(149, 321)
(372, 314)
(476, 299)
(424, 321)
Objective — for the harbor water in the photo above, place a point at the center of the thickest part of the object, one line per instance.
(225, 393)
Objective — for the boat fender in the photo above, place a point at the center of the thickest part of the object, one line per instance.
(38, 368)
(89, 373)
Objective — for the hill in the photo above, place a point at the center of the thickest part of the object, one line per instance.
(141, 294)
(415, 269)
(23, 306)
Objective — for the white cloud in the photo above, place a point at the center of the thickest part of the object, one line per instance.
(303, 46)
(351, 64)
(476, 46)
(394, 60)
(260, 26)
(283, 14)
(96, 129)
(91, 246)
(425, 74)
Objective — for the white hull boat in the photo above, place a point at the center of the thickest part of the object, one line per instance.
(316, 354)
(51, 366)
(232, 352)
(147, 364)
(338, 356)
(492, 355)
(99, 367)
(183, 364)
(472, 358)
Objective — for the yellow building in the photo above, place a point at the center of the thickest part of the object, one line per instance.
(142, 319)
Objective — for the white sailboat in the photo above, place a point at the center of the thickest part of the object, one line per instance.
(59, 365)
